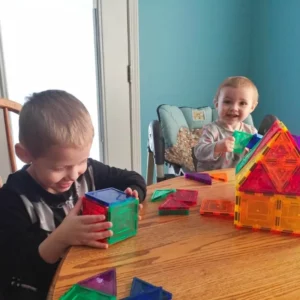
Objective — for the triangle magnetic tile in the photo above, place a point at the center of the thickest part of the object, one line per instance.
(258, 181)
(104, 282)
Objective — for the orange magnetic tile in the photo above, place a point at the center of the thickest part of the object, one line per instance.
(289, 219)
(258, 181)
(257, 210)
(217, 207)
(219, 176)
(282, 149)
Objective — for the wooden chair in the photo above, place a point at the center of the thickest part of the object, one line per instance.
(9, 106)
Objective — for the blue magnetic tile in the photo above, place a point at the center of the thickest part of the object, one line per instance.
(107, 197)
(140, 286)
(255, 138)
(152, 294)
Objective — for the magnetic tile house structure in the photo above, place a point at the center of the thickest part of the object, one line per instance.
(268, 184)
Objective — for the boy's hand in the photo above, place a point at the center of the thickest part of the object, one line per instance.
(225, 145)
(83, 230)
(134, 193)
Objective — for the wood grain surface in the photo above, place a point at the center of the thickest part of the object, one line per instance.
(193, 257)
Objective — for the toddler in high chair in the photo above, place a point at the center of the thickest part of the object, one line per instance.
(235, 100)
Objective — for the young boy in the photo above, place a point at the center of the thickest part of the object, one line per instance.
(235, 99)
(40, 204)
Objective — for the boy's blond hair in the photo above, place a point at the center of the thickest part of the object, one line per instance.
(236, 82)
(54, 118)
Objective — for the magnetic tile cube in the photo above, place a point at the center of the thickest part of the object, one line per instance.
(118, 208)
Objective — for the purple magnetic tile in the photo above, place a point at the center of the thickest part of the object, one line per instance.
(201, 177)
(297, 139)
(104, 282)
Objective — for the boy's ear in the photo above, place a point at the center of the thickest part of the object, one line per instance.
(23, 153)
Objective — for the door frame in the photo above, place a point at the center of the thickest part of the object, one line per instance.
(133, 15)
(133, 129)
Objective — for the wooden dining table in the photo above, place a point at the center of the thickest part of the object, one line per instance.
(193, 256)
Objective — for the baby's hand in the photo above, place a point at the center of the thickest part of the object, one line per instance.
(225, 145)
(134, 194)
(83, 230)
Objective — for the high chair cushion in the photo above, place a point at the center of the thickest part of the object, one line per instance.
(182, 128)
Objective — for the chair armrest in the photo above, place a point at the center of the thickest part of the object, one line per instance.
(156, 142)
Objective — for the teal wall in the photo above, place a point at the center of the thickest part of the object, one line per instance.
(275, 59)
(186, 49)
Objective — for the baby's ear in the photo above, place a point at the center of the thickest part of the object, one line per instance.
(23, 153)
(215, 103)
(254, 105)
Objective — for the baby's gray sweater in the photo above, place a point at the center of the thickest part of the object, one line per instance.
(204, 150)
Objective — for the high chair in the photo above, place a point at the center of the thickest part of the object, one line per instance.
(172, 137)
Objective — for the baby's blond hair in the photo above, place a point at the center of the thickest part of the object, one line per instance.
(54, 118)
(236, 82)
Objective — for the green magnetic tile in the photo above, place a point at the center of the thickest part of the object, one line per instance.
(124, 218)
(78, 292)
(164, 212)
(241, 141)
(159, 195)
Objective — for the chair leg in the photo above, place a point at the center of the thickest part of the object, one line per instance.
(150, 168)
(160, 173)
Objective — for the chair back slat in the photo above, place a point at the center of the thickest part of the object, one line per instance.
(10, 106)
(9, 140)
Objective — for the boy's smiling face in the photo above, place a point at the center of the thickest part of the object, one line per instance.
(59, 167)
(235, 104)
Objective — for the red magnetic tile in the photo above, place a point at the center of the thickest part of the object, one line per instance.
(268, 136)
(189, 197)
(258, 181)
(280, 174)
(293, 186)
(90, 207)
(172, 203)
